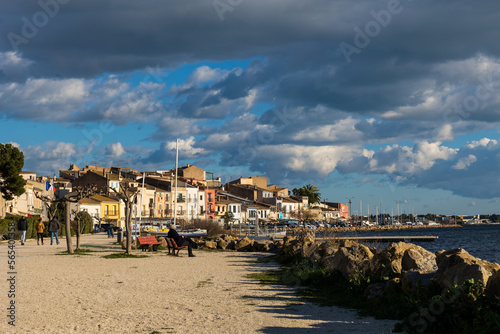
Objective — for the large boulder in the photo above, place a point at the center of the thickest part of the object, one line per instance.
(210, 244)
(493, 286)
(389, 261)
(457, 265)
(222, 244)
(350, 261)
(244, 245)
(262, 245)
(327, 248)
(419, 259)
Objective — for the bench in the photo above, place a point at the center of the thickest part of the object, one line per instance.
(172, 246)
(145, 242)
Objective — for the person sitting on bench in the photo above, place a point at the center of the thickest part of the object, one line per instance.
(181, 240)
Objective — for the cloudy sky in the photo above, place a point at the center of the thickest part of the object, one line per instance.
(381, 101)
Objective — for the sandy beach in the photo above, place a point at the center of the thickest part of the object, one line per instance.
(210, 293)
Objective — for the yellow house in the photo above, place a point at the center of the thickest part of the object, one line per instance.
(110, 208)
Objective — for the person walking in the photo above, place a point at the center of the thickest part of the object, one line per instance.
(22, 226)
(39, 231)
(54, 230)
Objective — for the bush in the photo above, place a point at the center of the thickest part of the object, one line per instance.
(30, 233)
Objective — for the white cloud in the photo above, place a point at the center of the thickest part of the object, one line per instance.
(425, 154)
(307, 159)
(464, 163)
(115, 150)
(485, 142)
(187, 149)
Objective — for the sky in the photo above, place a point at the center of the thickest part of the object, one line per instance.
(391, 104)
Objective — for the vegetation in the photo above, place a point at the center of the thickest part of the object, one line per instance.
(424, 309)
(122, 256)
(228, 218)
(213, 228)
(11, 164)
(309, 190)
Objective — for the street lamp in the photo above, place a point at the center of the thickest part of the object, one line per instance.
(349, 213)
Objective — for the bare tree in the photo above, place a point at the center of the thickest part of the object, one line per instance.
(304, 215)
(81, 224)
(128, 195)
(72, 197)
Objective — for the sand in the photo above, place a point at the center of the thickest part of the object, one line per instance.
(209, 293)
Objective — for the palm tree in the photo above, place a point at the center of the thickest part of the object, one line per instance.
(309, 190)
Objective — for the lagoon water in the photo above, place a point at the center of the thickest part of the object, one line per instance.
(481, 241)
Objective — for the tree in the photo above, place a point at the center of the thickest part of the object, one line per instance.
(128, 195)
(11, 164)
(82, 220)
(309, 190)
(73, 197)
(304, 215)
(228, 218)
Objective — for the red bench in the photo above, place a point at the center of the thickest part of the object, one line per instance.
(173, 246)
(146, 242)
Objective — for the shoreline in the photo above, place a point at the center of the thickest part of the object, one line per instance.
(209, 293)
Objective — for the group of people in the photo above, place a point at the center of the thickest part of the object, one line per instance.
(53, 228)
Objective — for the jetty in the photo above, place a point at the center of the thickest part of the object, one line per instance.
(416, 238)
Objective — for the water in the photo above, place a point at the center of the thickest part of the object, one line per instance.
(481, 241)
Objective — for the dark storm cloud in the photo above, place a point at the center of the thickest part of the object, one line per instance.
(334, 75)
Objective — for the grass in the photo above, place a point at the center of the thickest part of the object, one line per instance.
(79, 251)
(205, 282)
(122, 256)
(267, 277)
(98, 246)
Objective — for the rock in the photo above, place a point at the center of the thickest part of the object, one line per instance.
(310, 250)
(327, 248)
(388, 262)
(493, 286)
(419, 259)
(210, 244)
(351, 261)
(457, 265)
(222, 244)
(262, 245)
(231, 245)
(244, 245)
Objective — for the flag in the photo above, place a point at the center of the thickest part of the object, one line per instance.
(49, 186)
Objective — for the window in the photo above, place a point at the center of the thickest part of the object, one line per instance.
(114, 210)
(106, 210)
(201, 197)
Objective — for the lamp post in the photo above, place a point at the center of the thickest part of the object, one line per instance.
(349, 213)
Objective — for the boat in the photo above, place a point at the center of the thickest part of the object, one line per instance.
(162, 232)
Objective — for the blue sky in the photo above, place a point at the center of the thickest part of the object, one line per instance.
(391, 101)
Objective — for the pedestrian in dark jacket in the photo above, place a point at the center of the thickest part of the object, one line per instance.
(22, 226)
(181, 240)
(54, 230)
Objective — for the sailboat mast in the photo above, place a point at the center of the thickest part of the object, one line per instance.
(176, 167)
